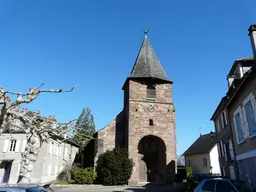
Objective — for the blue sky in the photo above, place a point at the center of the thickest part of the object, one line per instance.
(95, 44)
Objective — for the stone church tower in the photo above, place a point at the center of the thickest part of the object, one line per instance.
(146, 125)
(149, 116)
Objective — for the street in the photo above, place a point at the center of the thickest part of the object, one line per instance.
(100, 188)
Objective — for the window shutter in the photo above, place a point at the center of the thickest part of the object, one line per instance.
(23, 145)
(237, 135)
(244, 123)
(225, 116)
(56, 170)
(253, 105)
(17, 147)
(60, 151)
(222, 149)
(66, 153)
(231, 150)
(221, 117)
(6, 144)
(50, 148)
(218, 146)
(225, 152)
(49, 169)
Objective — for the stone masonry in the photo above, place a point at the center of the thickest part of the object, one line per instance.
(132, 123)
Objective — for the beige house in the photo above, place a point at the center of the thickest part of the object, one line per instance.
(52, 158)
(202, 156)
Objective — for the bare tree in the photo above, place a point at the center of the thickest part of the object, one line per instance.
(37, 129)
(181, 160)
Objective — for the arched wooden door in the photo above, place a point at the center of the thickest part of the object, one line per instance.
(142, 171)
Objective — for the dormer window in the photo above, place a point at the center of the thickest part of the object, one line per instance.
(151, 92)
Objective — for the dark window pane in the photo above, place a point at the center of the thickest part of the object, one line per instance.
(224, 186)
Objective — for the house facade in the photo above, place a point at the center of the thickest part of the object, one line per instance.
(224, 139)
(51, 160)
(240, 106)
(202, 156)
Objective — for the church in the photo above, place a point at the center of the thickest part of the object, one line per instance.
(146, 125)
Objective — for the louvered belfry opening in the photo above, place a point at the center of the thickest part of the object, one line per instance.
(151, 92)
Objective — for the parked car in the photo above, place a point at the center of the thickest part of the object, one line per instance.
(22, 189)
(224, 185)
(194, 179)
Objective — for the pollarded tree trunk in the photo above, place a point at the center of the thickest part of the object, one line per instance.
(29, 157)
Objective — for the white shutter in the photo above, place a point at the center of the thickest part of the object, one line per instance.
(24, 143)
(56, 170)
(237, 135)
(253, 105)
(17, 147)
(244, 123)
(6, 144)
(50, 148)
(18, 172)
(49, 169)
(66, 153)
(60, 151)
(53, 149)
(231, 150)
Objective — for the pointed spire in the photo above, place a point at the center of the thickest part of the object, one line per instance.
(147, 64)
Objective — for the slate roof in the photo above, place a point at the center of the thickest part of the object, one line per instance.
(202, 145)
(147, 64)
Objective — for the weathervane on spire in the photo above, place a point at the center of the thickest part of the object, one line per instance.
(146, 32)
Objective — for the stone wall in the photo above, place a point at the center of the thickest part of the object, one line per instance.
(161, 111)
(110, 136)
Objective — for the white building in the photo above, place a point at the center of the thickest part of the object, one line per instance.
(52, 158)
(202, 156)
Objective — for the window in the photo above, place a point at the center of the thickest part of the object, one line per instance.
(12, 145)
(217, 126)
(250, 117)
(219, 150)
(231, 150)
(224, 186)
(222, 120)
(227, 150)
(238, 126)
(151, 123)
(205, 162)
(208, 185)
(225, 117)
(151, 92)
(189, 162)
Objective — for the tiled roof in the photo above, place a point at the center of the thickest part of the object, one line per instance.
(202, 145)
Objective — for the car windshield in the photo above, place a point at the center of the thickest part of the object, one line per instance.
(244, 186)
(36, 189)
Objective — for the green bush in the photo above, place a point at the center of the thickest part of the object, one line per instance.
(114, 167)
(189, 170)
(83, 176)
(65, 174)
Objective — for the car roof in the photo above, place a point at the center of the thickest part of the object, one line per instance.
(17, 188)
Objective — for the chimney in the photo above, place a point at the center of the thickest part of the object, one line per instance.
(252, 34)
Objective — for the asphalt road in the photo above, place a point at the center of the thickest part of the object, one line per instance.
(99, 188)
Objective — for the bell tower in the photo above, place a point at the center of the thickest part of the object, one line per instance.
(149, 115)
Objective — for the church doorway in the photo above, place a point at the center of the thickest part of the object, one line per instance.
(153, 161)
